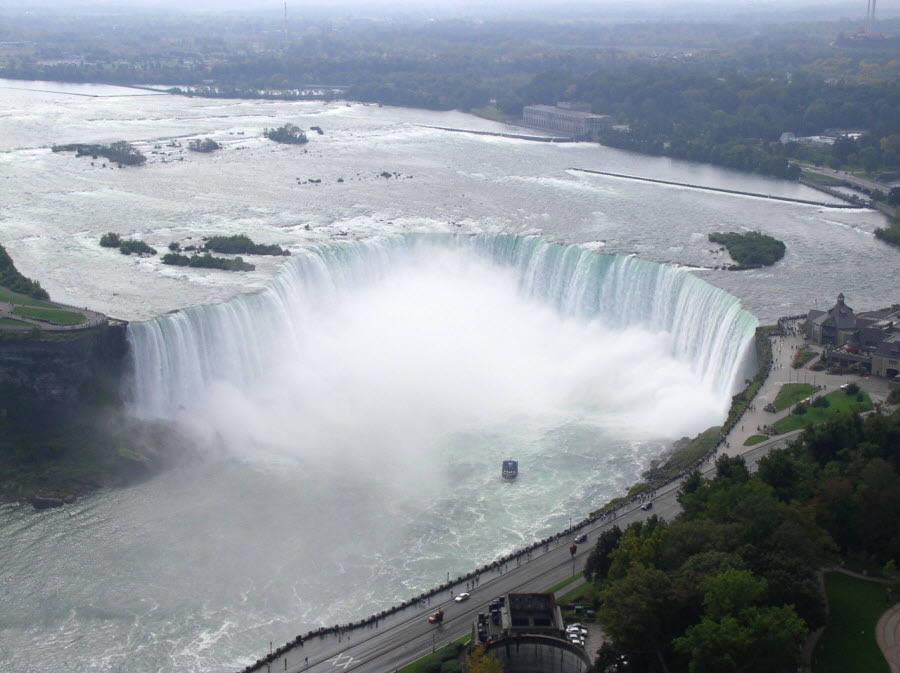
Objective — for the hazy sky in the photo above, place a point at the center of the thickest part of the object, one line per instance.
(510, 8)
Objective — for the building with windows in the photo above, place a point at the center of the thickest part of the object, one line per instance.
(574, 119)
(870, 340)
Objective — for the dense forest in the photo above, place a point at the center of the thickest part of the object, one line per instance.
(729, 584)
(717, 92)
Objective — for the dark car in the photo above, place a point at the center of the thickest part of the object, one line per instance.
(646, 506)
(581, 538)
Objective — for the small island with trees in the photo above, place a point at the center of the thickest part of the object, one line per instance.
(289, 134)
(207, 261)
(206, 145)
(242, 244)
(120, 152)
(750, 250)
(126, 246)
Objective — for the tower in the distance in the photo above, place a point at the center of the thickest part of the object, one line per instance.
(870, 16)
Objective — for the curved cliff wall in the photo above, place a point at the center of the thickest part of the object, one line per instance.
(60, 373)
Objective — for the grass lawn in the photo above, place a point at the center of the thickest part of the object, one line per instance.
(824, 179)
(791, 393)
(53, 315)
(430, 661)
(564, 583)
(9, 297)
(848, 643)
(841, 403)
(12, 323)
(494, 113)
(754, 439)
(584, 592)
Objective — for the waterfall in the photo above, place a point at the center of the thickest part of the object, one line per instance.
(178, 356)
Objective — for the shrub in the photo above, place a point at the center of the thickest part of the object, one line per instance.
(851, 389)
(821, 402)
(289, 133)
(136, 247)
(110, 240)
(799, 409)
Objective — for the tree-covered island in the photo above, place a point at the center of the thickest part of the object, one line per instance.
(241, 244)
(751, 249)
(207, 261)
(289, 134)
(206, 145)
(126, 246)
(119, 152)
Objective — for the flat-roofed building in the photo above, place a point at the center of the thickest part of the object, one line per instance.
(575, 119)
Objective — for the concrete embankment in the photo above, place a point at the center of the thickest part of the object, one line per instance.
(718, 189)
(517, 136)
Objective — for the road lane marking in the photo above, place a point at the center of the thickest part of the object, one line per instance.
(343, 661)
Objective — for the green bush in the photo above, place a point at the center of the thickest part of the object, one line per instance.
(207, 261)
(451, 666)
(799, 409)
(136, 247)
(289, 133)
(110, 240)
(242, 244)
(821, 402)
(851, 389)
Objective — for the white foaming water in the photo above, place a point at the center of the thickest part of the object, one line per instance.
(405, 339)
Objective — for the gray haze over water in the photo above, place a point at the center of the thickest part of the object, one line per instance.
(413, 385)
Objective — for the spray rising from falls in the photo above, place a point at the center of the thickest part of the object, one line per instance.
(422, 331)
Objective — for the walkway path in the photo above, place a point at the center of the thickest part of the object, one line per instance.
(783, 351)
(91, 319)
(718, 189)
(887, 632)
(854, 180)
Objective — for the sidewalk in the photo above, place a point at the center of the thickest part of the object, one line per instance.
(783, 350)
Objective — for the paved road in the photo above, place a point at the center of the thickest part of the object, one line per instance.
(851, 179)
(406, 636)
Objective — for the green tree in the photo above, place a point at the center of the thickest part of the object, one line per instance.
(479, 660)
(635, 612)
(598, 562)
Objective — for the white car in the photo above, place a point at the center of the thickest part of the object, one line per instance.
(576, 630)
(462, 597)
(576, 640)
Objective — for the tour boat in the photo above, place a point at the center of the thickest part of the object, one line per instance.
(510, 469)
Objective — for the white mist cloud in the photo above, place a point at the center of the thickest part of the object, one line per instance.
(445, 344)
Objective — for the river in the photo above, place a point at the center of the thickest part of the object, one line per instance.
(355, 431)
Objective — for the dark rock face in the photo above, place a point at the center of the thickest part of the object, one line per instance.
(54, 379)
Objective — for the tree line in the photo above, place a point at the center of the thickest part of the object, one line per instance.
(729, 585)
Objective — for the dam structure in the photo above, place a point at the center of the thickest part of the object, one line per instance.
(175, 357)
